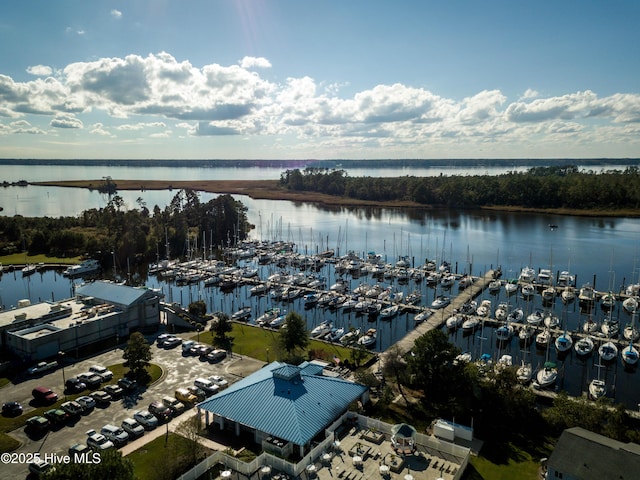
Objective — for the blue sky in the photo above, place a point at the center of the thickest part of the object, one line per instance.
(327, 79)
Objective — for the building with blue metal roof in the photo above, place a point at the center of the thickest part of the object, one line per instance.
(284, 406)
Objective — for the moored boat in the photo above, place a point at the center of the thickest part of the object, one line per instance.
(368, 340)
(584, 346)
(547, 375)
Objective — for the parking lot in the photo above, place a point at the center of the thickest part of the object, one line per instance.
(178, 371)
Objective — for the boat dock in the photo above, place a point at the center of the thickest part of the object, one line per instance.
(440, 316)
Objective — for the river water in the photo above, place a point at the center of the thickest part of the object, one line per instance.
(600, 250)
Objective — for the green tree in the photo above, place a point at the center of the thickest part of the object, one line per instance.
(198, 308)
(395, 366)
(137, 355)
(220, 327)
(112, 465)
(294, 334)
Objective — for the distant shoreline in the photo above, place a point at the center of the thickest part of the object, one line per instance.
(271, 190)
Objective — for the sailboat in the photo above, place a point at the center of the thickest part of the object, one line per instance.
(564, 342)
(608, 351)
(584, 346)
(630, 354)
(631, 332)
(547, 375)
(597, 386)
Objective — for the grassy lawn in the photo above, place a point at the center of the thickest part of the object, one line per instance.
(158, 459)
(482, 468)
(22, 258)
(7, 424)
(262, 343)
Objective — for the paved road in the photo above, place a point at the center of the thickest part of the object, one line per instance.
(179, 371)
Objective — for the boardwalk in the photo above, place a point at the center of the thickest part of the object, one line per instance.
(440, 316)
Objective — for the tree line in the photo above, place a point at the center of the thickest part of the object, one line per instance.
(137, 234)
(558, 186)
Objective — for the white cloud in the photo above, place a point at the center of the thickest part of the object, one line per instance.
(161, 94)
(255, 62)
(116, 13)
(66, 121)
(40, 70)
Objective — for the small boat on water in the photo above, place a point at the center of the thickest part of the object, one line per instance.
(440, 301)
(564, 342)
(29, 269)
(268, 316)
(322, 329)
(584, 346)
(587, 294)
(511, 287)
(597, 389)
(568, 294)
(454, 321)
(543, 338)
(470, 323)
(494, 286)
(528, 290)
(86, 266)
(501, 312)
(630, 354)
(350, 337)
(608, 351)
(630, 304)
(535, 318)
(525, 334)
(368, 340)
(551, 321)
(608, 301)
(422, 315)
(242, 315)
(515, 315)
(484, 309)
(524, 372)
(389, 312)
(547, 375)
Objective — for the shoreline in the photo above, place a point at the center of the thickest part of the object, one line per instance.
(271, 190)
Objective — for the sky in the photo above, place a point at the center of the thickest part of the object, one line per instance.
(331, 79)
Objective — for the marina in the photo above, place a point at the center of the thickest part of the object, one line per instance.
(363, 300)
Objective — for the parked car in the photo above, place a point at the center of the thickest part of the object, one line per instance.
(114, 390)
(220, 381)
(42, 367)
(198, 392)
(74, 385)
(171, 342)
(97, 441)
(184, 395)
(101, 397)
(186, 346)
(162, 337)
(87, 402)
(146, 419)
(160, 410)
(72, 408)
(127, 384)
(216, 355)
(44, 395)
(92, 380)
(103, 372)
(36, 424)
(56, 416)
(116, 434)
(132, 427)
(11, 409)
(39, 466)
(78, 448)
(176, 406)
(206, 385)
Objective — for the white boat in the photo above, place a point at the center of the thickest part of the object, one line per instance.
(546, 376)
(568, 294)
(268, 316)
(368, 340)
(311, 299)
(543, 338)
(551, 321)
(335, 335)
(350, 337)
(504, 333)
(469, 308)
(322, 329)
(484, 309)
(590, 326)
(86, 266)
(501, 312)
(422, 315)
(467, 280)
(470, 323)
(631, 332)
(29, 269)
(389, 312)
(610, 327)
(511, 287)
(587, 294)
(278, 321)
(597, 389)
(608, 301)
(630, 304)
(243, 314)
(566, 279)
(524, 372)
(630, 354)
(440, 301)
(544, 276)
(548, 294)
(527, 274)
(260, 288)
(535, 318)
(564, 342)
(525, 334)
(339, 286)
(494, 286)
(608, 351)
(515, 315)
(454, 321)
(584, 346)
(447, 281)
(528, 290)
(349, 304)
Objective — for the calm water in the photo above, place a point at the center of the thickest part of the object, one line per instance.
(604, 250)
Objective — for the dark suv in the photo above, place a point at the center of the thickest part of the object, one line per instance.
(74, 385)
(160, 410)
